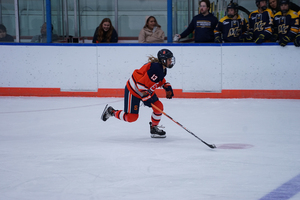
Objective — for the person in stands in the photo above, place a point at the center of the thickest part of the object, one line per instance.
(105, 32)
(4, 37)
(151, 32)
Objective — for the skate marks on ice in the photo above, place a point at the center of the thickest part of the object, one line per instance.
(234, 146)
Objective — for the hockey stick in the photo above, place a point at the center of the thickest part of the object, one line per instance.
(210, 145)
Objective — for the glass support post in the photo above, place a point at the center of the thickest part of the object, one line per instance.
(17, 20)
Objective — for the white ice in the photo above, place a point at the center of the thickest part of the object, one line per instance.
(58, 148)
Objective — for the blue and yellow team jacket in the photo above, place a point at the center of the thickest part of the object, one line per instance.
(286, 25)
(261, 23)
(231, 29)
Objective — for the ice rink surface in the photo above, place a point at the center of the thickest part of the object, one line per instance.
(58, 148)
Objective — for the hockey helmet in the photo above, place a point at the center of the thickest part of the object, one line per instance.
(284, 2)
(163, 55)
(234, 6)
(257, 4)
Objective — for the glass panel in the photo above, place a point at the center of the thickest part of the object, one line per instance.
(92, 13)
(32, 15)
(182, 16)
(249, 5)
(132, 16)
(7, 18)
(57, 18)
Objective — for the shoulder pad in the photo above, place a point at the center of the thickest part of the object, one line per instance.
(157, 70)
(223, 19)
(254, 12)
(278, 13)
(293, 14)
(269, 11)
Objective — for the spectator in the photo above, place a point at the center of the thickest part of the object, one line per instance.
(288, 19)
(42, 38)
(203, 24)
(4, 37)
(151, 32)
(105, 32)
(231, 28)
(275, 7)
(260, 23)
(297, 39)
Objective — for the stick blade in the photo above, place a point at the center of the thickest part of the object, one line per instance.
(212, 146)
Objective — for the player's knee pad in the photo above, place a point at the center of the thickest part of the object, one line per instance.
(159, 105)
(131, 117)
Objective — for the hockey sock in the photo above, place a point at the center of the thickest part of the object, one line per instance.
(155, 118)
(127, 117)
(156, 115)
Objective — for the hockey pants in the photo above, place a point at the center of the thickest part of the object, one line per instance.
(131, 109)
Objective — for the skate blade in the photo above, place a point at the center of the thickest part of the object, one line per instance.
(158, 136)
(102, 116)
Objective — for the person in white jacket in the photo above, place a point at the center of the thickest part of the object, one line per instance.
(151, 32)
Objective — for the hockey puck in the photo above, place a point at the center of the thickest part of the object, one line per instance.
(234, 146)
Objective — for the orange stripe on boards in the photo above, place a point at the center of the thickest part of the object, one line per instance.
(117, 92)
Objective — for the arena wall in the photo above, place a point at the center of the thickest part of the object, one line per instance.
(201, 71)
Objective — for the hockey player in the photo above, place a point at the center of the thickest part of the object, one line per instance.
(286, 23)
(260, 23)
(141, 87)
(231, 28)
(275, 7)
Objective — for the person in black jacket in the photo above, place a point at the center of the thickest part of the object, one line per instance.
(275, 6)
(105, 32)
(4, 37)
(203, 24)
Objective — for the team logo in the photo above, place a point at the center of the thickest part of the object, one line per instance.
(277, 18)
(283, 29)
(259, 26)
(235, 32)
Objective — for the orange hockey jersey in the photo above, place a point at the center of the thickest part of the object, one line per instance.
(146, 79)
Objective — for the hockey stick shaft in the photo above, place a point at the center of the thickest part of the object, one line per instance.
(209, 145)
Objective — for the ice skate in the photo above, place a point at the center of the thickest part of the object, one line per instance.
(156, 132)
(107, 112)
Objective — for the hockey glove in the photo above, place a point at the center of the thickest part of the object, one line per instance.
(169, 90)
(297, 41)
(249, 37)
(148, 102)
(218, 39)
(147, 99)
(284, 40)
(274, 37)
(242, 37)
(260, 39)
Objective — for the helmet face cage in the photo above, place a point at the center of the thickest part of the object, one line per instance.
(234, 6)
(258, 2)
(165, 54)
(284, 2)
